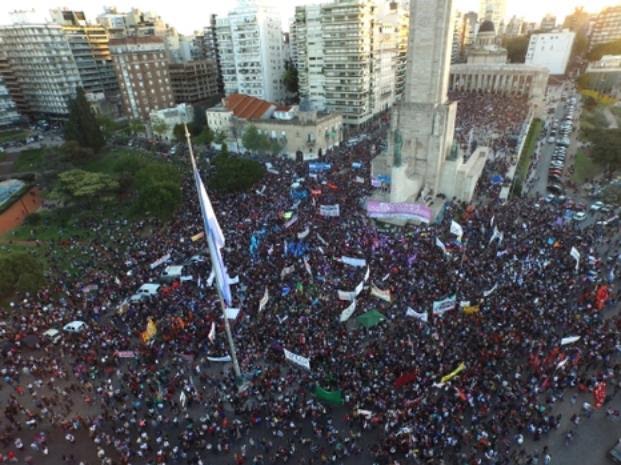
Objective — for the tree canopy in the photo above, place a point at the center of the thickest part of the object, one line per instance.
(235, 174)
(290, 78)
(606, 147)
(609, 48)
(85, 187)
(254, 141)
(516, 48)
(82, 126)
(159, 126)
(19, 272)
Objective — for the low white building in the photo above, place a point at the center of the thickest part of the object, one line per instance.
(170, 117)
(551, 50)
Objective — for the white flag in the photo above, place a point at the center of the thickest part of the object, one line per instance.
(346, 295)
(355, 262)
(457, 230)
(569, 340)
(224, 359)
(210, 279)
(182, 399)
(297, 359)
(322, 240)
(212, 332)
(234, 280)
(442, 306)
(287, 270)
(422, 316)
(307, 267)
(384, 295)
(490, 291)
(231, 313)
(576, 255)
(263, 301)
(348, 312)
(359, 180)
(367, 274)
(440, 244)
(359, 288)
(495, 235)
(304, 233)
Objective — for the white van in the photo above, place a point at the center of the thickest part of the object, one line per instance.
(171, 273)
(144, 291)
(74, 327)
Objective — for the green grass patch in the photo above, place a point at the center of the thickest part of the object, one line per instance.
(31, 160)
(13, 135)
(526, 156)
(585, 168)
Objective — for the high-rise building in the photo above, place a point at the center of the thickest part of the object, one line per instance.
(515, 27)
(470, 30)
(351, 56)
(607, 27)
(89, 45)
(11, 82)
(194, 81)
(494, 11)
(141, 67)
(250, 47)
(206, 48)
(9, 115)
(548, 23)
(41, 60)
(458, 31)
(551, 50)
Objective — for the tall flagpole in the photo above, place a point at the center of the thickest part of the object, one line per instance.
(227, 327)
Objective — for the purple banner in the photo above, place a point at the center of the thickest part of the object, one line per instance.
(407, 211)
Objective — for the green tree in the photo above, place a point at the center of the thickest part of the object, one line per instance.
(219, 137)
(516, 48)
(85, 188)
(82, 126)
(179, 132)
(159, 199)
(19, 272)
(135, 126)
(159, 126)
(74, 153)
(235, 174)
(581, 45)
(290, 78)
(609, 48)
(206, 137)
(107, 125)
(199, 123)
(606, 147)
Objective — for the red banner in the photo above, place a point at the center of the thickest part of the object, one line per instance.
(599, 394)
(405, 378)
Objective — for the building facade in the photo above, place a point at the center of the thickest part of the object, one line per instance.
(551, 50)
(250, 46)
(163, 121)
(206, 48)
(607, 26)
(41, 60)
(605, 75)
(141, 67)
(351, 57)
(90, 47)
(194, 81)
(548, 23)
(9, 116)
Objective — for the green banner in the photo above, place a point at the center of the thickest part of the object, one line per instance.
(370, 319)
(332, 397)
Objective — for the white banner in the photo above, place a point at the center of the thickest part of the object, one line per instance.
(303, 234)
(457, 230)
(442, 306)
(496, 235)
(231, 313)
(159, 261)
(307, 267)
(330, 210)
(263, 301)
(212, 276)
(490, 291)
(569, 340)
(576, 255)
(186, 278)
(440, 244)
(297, 359)
(234, 280)
(224, 359)
(356, 262)
(359, 180)
(422, 316)
(367, 274)
(287, 270)
(359, 288)
(384, 295)
(346, 295)
(348, 312)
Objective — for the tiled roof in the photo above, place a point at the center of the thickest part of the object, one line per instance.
(246, 106)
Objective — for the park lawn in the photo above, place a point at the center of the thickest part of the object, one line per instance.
(30, 160)
(12, 135)
(584, 168)
(529, 149)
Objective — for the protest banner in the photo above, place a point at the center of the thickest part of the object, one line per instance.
(348, 312)
(384, 295)
(159, 261)
(223, 359)
(198, 236)
(231, 313)
(446, 378)
(330, 210)
(422, 316)
(355, 262)
(403, 211)
(297, 359)
(442, 306)
(346, 295)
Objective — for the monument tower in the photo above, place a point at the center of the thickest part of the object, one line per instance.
(421, 158)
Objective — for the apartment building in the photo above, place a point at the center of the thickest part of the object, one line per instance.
(9, 116)
(194, 81)
(206, 48)
(89, 45)
(351, 56)
(552, 50)
(607, 26)
(141, 67)
(11, 82)
(250, 46)
(40, 59)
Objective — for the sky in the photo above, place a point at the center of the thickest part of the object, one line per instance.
(190, 15)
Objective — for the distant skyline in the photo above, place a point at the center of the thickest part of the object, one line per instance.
(187, 16)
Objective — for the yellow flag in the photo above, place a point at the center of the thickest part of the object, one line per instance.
(198, 236)
(150, 332)
(472, 309)
(452, 374)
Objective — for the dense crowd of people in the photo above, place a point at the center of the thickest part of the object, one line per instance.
(419, 387)
(483, 119)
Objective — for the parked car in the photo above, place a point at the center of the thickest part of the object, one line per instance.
(75, 327)
(597, 206)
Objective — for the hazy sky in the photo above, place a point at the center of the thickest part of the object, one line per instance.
(190, 15)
